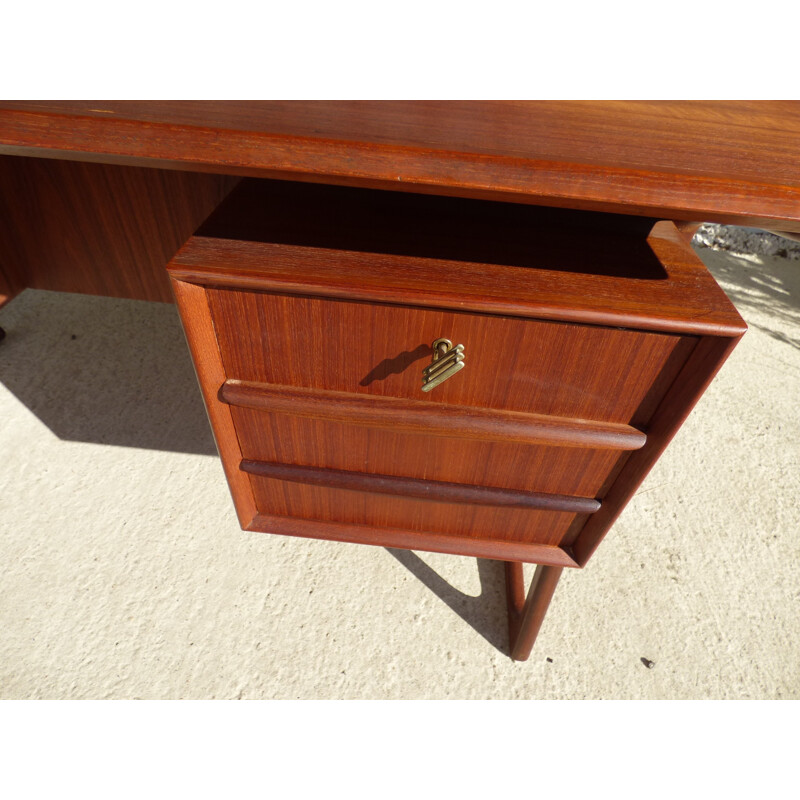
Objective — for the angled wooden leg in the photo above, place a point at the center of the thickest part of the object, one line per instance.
(525, 616)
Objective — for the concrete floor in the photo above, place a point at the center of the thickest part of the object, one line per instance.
(125, 574)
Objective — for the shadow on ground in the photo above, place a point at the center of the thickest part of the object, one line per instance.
(486, 613)
(105, 371)
(768, 285)
(118, 372)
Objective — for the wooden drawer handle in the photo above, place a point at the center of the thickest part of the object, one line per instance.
(438, 491)
(431, 419)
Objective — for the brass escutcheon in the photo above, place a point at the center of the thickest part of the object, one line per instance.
(446, 361)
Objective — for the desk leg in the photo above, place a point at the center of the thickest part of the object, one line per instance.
(525, 616)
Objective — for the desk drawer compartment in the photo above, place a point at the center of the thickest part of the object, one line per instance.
(576, 366)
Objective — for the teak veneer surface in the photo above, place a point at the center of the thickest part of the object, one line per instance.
(386, 247)
(324, 503)
(432, 418)
(694, 378)
(290, 439)
(411, 540)
(347, 362)
(98, 229)
(310, 308)
(512, 364)
(444, 491)
(199, 329)
(734, 161)
(322, 327)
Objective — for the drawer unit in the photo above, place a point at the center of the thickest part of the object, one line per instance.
(313, 314)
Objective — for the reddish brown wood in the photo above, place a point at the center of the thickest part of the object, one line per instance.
(598, 300)
(457, 254)
(678, 160)
(467, 523)
(688, 229)
(196, 319)
(322, 329)
(696, 375)
(288, 439)
(98, 229)
(371, 269)
(498, 549)
(515, 597)
(438, 491)
(525, 622)
(324, 382)
(371, 349)
(431, 418)
(442, 527)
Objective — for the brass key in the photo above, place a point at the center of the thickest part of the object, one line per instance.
(446, 361)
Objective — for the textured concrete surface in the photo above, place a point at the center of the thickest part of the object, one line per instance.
(125, 574)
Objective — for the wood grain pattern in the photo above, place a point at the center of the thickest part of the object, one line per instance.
(435, 543)
(457, 254)
(290, 439)
(438, 491)
(285, 498)
(525, 623)
(322, 350)
(378, 274)
(432, 419)
(597, 300)
(696, 375)
(713, 161)
(98, 229)
(273, 506)
(198, 327)
(529, 366)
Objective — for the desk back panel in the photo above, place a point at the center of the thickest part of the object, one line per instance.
(96, 228)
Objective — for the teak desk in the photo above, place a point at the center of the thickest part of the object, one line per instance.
(468, 327)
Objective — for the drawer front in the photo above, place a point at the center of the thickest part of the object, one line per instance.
(289, 439)
(565, 370)
(468, 521)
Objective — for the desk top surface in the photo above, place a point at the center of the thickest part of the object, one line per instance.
(735, 162)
